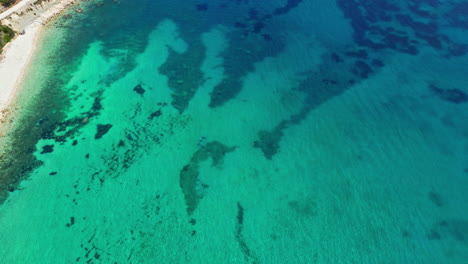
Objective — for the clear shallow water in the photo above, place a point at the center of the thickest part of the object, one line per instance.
(236, 132)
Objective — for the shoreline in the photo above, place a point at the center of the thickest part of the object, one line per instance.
(18, 54)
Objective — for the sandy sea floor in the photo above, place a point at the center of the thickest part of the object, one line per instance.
(288, 170)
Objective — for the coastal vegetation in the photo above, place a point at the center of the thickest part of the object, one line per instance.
(7, 3)
(6, 34)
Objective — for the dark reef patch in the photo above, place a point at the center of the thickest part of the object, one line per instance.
(239, 60)
(101, 130)
(202, 7)
(405, 234)
(240, 215)
(377, 63)
(140, 135)
(405, 26)
(72, 222)
(455, 96)
(17, 160)
(433, 235)
(268, 141)
(251, 39)
(184, 74)
(360, 54)
(456, 229)
(62, 130)
(251, 42)
(318, 87)
(139, 90)
(436, 199)
(336, 58)
(121, 144)
(189, 175)
(457, 15)
(288, 7)
(362, 69)
(240, 237)
(47, 149)
(155, 114)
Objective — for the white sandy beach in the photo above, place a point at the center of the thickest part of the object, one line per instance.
(18, 53)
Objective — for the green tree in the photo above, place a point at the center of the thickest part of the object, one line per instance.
(7, 2)
(6, 35)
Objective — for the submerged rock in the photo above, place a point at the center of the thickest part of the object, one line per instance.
(455, 96)
(157, 113)
(102, 130)
(139, 89)
(189, 182)
(202, 7)
(47, 149)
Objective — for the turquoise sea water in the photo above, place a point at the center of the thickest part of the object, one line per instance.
(167, 131)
